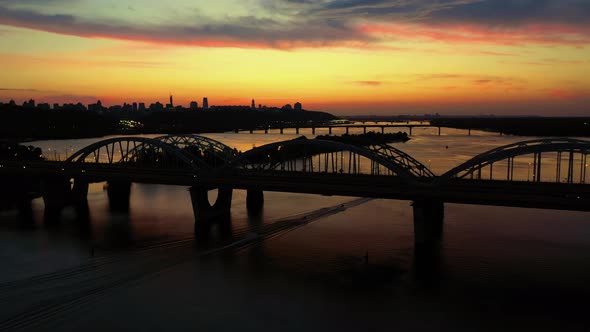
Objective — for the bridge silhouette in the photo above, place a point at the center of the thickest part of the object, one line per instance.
(315, 167)
(409, 126)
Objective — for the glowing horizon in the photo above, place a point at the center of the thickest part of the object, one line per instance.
(345, 57)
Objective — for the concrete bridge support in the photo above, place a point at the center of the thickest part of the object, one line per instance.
(56, 195)
(297, 130)
(255, 202)
(205, 212)
(330, 130)
(282, 131)
(119, 193)
(428, 221)
(313, 130)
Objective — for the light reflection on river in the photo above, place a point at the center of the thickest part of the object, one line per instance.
(528, 267)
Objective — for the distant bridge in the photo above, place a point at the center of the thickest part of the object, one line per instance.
(317, 167)
(347, 127)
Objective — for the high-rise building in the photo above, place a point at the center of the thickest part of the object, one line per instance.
(134, 107)
(194, 106)
(298, 107)
(171, 101)
(156, 107)
(29, 104)
(141, 107)
(253, 104)
(205, 103)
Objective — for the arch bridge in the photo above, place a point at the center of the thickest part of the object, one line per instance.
(319, 167)
(329, 157)
(558, 160)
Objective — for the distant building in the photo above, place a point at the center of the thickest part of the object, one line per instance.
(141, 107)
(44, 107)
(194, 106)
(127, 108)
(287, 108)
(134, 107)
(298, 107)
(56, 106)
(96, 107)
(253, 104)
(156, 107)
(171, 101)
(205, 103)
(29, 104)
(80, 107)
(115, 109)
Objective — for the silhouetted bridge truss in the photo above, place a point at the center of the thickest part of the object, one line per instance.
(555, 168)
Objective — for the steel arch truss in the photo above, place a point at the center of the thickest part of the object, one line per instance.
(320, 156)
(570, 150)
(206, 150)
(134, 152)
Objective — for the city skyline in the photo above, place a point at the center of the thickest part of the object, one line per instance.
(140, 104)
(381, 57)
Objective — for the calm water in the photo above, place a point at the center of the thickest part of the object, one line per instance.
(497, 268)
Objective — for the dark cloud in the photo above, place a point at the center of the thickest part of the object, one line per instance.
(21, 90)
(515, 12)
(309, 23)
(240, 31)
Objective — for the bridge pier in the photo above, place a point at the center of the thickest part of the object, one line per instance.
(266, 130)
(313, 130)
(56, 193)
(281, 130)
(410, 130)
(251, 131)
(439, 130)
(330, 130)
(428, 221)
(254, 202)
(346, 130)
(237, 131)
(205, 212)
(119, 193)
(364, 130)
(297, 130)
(382, 130)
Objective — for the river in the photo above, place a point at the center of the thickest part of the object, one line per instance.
(306, 263)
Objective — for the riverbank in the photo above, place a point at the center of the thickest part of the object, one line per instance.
(26, 125)
(526, 126)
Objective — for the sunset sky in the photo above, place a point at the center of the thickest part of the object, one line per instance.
(343, 56)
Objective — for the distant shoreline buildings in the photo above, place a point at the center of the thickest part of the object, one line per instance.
(154, 107)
